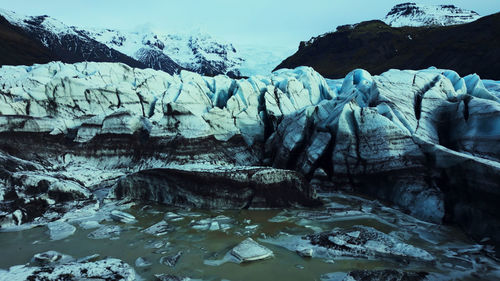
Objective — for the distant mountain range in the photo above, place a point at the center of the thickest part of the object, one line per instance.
(375, 46)
(55, 40)
(438, 40)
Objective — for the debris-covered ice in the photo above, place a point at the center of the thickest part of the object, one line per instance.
(159, 229)
(105, 232)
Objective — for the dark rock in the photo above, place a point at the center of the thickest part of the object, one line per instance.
(224, 188)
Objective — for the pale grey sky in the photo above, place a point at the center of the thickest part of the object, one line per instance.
(259, 21)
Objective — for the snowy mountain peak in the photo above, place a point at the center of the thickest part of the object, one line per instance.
(44, 22)
(412, 14)
(197, 52)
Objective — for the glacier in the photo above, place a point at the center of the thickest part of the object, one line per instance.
(424, 140)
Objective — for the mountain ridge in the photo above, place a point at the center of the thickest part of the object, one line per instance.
(377, 47)
(171, 53)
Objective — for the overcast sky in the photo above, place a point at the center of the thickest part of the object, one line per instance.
(263, 22)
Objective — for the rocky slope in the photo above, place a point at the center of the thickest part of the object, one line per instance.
(17, 48)
(427, 141)
(378, 47)
(412, 14)
(65, 43)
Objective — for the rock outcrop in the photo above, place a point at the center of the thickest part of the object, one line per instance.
(426, 140)
(224, 188)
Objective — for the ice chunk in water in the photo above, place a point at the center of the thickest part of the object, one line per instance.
(158, 229)
(59, 230)
(249, 250)
(123, 217)
(107, 231)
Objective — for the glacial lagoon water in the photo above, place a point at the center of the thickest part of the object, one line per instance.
(203, 249)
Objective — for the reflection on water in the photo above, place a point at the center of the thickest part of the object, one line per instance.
(454, 253)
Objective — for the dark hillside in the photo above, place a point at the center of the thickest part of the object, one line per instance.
(17, 48)
(377, 47)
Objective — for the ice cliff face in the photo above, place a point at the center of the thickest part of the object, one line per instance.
(411, 14)
(424, 140)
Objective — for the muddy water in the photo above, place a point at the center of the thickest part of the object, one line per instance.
(200, 246)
